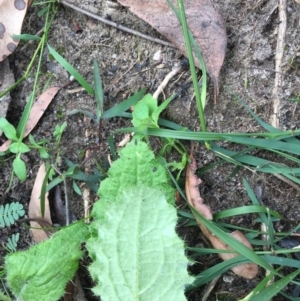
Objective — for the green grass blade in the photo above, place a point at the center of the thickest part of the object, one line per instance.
(265, 125)
(266, 219)
(43, 191)
(292, 178)
(25, 115)
(241, 138)
(282, 261)
(53, 183)
(244, 210)
(123, 106)
(289, 297)
(242, 157)
(26, 37)
(98, 90)
(171, 125)
(71, 70)
(287, 156)
(84, 112)
(254, 200)
(217, 270)
(207, 251)
(266, 144)
(200, 98)
(259, 287)
(270, 291)
(200, 57)
(258, 163)
(43, 11)
(112, 148)
(233, 243)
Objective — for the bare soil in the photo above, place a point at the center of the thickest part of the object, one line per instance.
(127, 65)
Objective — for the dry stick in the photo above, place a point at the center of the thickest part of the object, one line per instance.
(274, 120)
(67, 203)
(287, 181)
(86, 190)
(278, 61)
(208, 289)
(166, 80)
(86, 204)
(116, 25)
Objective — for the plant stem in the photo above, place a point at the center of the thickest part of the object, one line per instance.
(200, 103)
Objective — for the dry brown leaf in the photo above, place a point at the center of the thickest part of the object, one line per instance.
(37, 111)
(34, 209)
(248, 270)
(204, 21)
(12, 13)
(5, 146)
(39, 108)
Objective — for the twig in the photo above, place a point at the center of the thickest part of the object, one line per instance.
(86, 190)
(166, 80)
(274, 120)
(208, 289)
(86, 204)
(116, 25)
(287, 181)
(66, 203)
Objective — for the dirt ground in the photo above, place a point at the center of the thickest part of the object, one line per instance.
(127, 65)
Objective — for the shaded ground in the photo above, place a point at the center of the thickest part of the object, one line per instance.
(127, 65)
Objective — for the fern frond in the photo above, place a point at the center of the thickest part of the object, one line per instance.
(12, 242)
(9, 213)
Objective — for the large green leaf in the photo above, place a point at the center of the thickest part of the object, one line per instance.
(136, 252)
(137, 165)
(41, 273)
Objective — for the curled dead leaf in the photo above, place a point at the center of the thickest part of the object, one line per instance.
(5, 146)
(248, 270)
(192, 192)
(34, 209)
(204, 21)
(39, 107)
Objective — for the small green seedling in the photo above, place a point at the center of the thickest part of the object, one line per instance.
(180, 166)
(146, 115)
(146, 112)
(59, 129)
(17, 147)
(40, 146)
